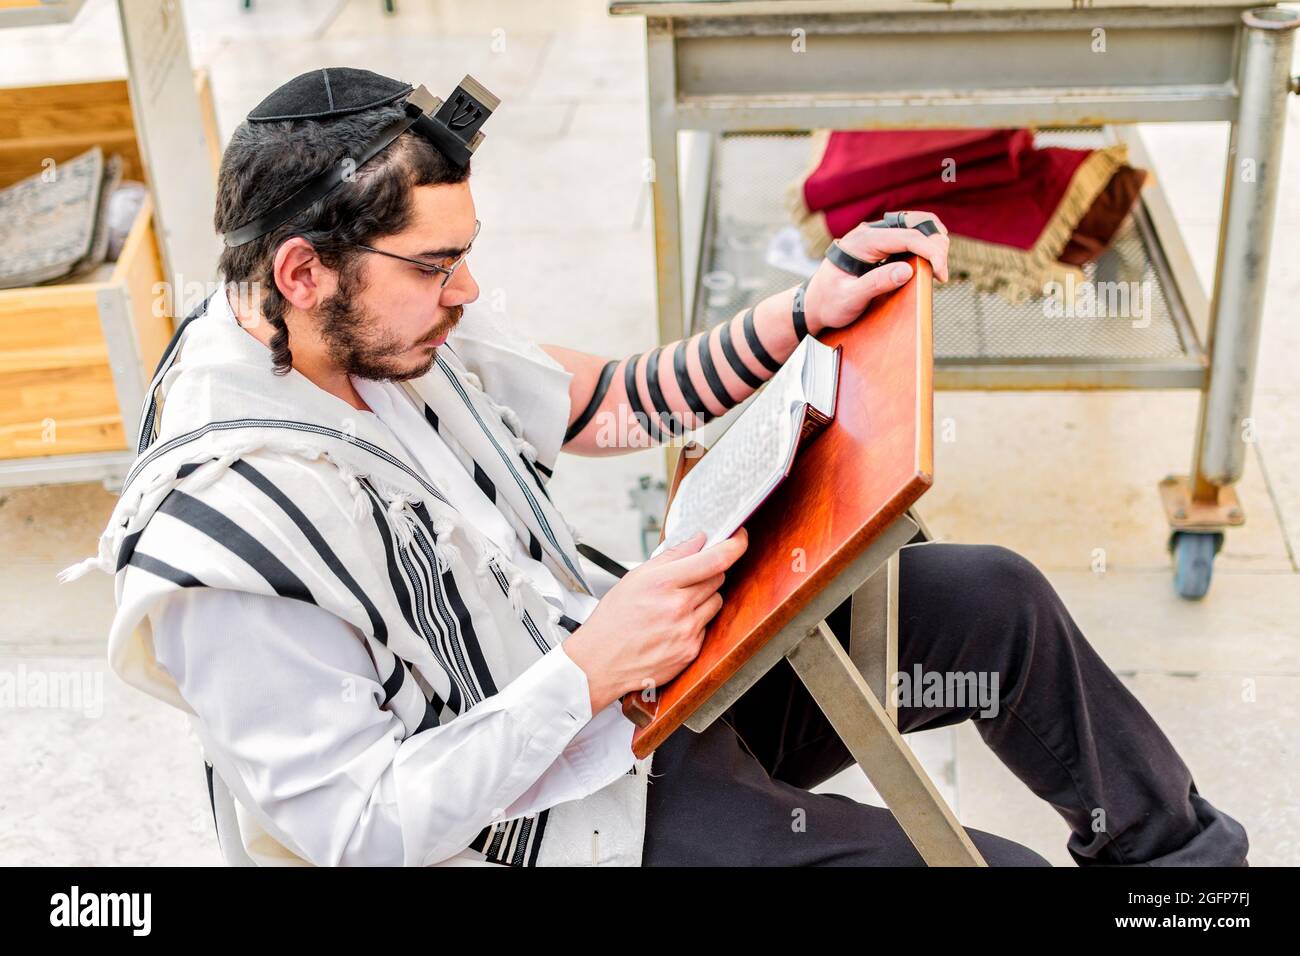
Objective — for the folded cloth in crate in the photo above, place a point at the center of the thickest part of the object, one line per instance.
(54, 223)
(1018, 216)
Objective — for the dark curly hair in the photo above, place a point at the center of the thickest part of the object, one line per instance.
(266, 162)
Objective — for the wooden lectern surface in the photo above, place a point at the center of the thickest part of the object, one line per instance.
(864, 470)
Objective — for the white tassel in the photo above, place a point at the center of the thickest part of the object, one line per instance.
(510, 417)
(360, 499)
(447, 554)
(82, 568)
(444, 551)
(515, 592)
(442, 524)
(526, 449)
(203, 476)
(360, 502)
(403, 522)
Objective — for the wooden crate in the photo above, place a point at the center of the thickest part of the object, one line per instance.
(74, 355)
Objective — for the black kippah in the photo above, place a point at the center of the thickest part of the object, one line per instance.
(454, 126)
(333, 91)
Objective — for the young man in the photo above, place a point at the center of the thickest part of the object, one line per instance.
(337, 552)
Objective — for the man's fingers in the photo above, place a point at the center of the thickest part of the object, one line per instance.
(707, 611)
(699, 593)
(873, 244)
(882, 280)
(690, 546)
(694, 568)
(914, 217)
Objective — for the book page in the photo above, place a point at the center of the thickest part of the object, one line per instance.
(742, 467)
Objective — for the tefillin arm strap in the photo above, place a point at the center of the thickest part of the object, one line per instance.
(858, 267)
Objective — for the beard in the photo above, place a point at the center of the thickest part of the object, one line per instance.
(356, 345)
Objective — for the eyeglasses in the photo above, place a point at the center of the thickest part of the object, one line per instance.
(428, 268)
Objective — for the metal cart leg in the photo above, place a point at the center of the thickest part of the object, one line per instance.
(661, 72)
(1199, 508)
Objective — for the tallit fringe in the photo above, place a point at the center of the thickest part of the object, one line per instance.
(515, 591)
(360, 500)
(206, 474)
(98, 562)
(110, 542)
(510, 418)
(552, 614)
(443, 549)
(514, 578)
(401, 515)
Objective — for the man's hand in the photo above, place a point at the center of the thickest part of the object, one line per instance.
(835, 299)
(650, 625)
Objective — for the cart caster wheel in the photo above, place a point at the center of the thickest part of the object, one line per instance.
(1194, 553)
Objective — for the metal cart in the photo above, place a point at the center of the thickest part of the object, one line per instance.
(725, 74)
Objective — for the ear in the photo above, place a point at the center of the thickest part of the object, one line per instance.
(301, 277)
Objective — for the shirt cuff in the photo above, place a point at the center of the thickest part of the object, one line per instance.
(553, 696)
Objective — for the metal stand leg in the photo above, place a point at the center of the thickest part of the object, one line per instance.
(852, 701)
(871, 736)
(1200, 508)
(873, 633)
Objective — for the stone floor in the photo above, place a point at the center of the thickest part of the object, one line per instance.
(110, 776)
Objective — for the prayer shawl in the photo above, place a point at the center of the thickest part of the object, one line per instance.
(1017, 216)
(266, 483)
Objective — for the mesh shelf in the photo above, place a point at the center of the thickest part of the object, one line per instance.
(977, 330)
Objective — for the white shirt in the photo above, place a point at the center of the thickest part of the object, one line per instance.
(287, 703)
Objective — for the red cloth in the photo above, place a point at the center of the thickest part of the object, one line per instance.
(1098, 227)
(1005, 191)
(859, 163)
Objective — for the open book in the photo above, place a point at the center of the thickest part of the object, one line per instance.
(753, 456)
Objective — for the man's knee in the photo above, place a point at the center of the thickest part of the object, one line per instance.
(997, 567)
(984, 579)
(1000, 851)
(1004, 584)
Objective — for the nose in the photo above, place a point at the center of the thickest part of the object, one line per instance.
(460, 288)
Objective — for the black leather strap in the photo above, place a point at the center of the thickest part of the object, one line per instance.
(323, 183)
(763, 355)
(796, 310)
(849, 263)
(634, 400)
(684, 383)
(858, 267)
(597, 396)
(601, 560)
(672, 423)
(711, 373)
(891, 220)
(734, 360)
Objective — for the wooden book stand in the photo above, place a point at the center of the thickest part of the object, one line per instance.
(832, 531)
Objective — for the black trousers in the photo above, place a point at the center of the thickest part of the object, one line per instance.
(1064, 724)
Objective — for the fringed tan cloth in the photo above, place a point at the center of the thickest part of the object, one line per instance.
(1018, 217)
